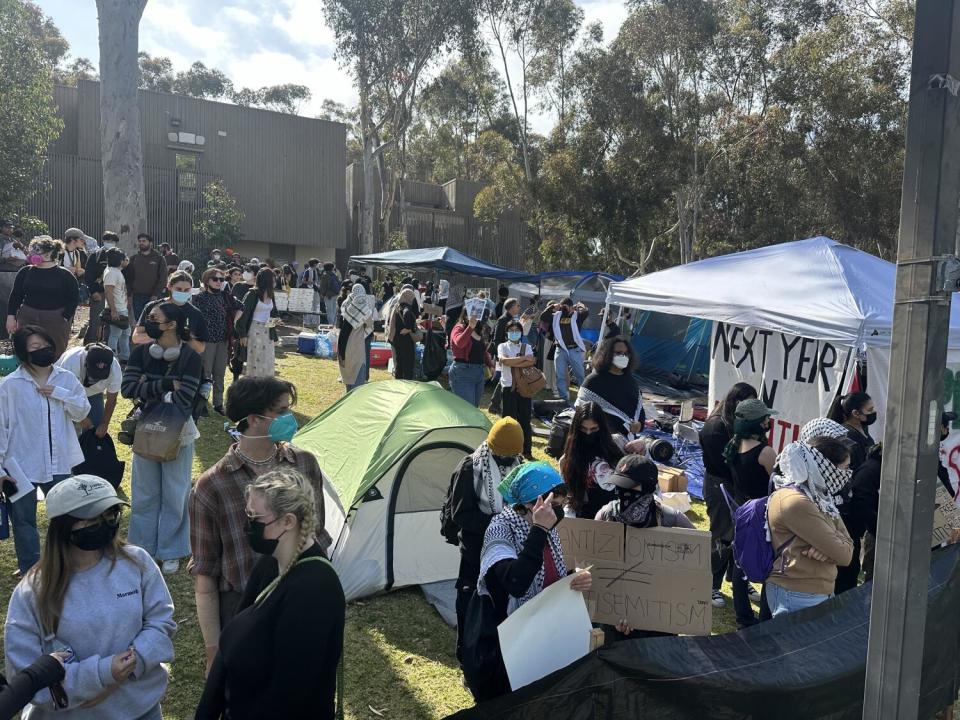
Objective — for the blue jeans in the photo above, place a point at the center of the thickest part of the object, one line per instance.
(562, 359)
(783, 601)
(159, 518)
(331, 305)
(139, 303)
(119, 342)
(466, 381)
(96, 409)
(23, 515)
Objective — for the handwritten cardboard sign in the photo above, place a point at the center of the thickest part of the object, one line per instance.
(946, 517)
(655, 579)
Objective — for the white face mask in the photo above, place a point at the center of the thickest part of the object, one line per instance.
(248, 276)
(621, 361)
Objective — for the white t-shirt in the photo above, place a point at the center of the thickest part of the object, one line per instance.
(510, 350)
(113, 277)
(74, 360)
(262, 312)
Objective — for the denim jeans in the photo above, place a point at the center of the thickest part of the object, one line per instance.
(96, 409)
(119, 342)
(331, 305)
(466, 381)
(159, 520)
(783, 601)
(23, 515)
(562, 359)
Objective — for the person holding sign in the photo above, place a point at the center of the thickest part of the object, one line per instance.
(521, 553)
(857, 413)
(804, 521)
(469, 340)
(588, 461)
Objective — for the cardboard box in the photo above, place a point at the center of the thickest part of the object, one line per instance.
(654, 578)
(672, 479)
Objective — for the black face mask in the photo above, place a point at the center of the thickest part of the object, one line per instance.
(258, 543)
(43, 357)
(153, 329)
(870, 419)
(95, 537)
(591, 440)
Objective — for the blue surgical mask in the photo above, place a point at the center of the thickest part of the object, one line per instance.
(282, 428)
(181, 297)
(514, 336)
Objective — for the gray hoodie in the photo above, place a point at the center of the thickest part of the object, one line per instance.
(105, 611)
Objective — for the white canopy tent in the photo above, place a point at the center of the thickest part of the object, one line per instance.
(817, 288)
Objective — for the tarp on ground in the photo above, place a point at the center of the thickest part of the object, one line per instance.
(438, 258)
(808, 665)
(817, 288)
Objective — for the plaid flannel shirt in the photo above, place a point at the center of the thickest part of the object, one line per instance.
(218, 519)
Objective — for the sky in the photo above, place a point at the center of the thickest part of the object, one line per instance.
(256, 42)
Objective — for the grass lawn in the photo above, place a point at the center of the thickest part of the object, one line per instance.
(399, 653)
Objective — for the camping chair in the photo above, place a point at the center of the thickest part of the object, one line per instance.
(685, 431)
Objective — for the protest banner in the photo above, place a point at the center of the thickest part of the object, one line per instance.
(946, 517)
(796, 376)
(654, 578)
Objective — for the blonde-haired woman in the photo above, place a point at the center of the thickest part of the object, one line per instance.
(278, 657)
(99, 603)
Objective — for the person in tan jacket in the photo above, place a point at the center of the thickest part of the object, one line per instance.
(805, 522)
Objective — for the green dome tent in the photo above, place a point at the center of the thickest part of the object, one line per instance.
(389, 449)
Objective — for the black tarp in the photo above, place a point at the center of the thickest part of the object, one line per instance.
(804, 666)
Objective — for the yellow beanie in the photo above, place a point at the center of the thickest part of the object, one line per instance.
(506, 437)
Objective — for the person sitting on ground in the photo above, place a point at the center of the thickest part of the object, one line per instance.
(180, 286)
(806, 524)
(476, 500)
(589, 456)
(279, 656)
(101, 601)
(857, 412)
(521, 554)
(612, 386)
(222, 558)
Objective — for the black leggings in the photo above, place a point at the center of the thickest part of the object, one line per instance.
(518, 407)
(404, 361)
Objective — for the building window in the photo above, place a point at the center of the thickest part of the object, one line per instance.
(186, 177)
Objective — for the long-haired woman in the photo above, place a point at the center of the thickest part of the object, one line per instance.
(100, 603)
(167, 370)
(255, 328)
(588, 461)
(39, 403)
(857, 412)
(469, 340)
(278, 657)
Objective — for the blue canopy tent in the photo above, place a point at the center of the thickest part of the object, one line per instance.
(438, 259)
(673, 343)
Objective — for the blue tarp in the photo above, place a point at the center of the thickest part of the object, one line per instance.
(672, 343)
(438, 258)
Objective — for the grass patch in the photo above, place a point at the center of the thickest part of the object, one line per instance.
(399, 653)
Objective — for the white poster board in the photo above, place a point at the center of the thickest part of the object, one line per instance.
(799, 377)
(545, 634)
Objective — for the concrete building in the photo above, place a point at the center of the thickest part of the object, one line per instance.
(285, 171)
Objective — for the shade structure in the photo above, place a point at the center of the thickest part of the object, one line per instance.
(438, 258)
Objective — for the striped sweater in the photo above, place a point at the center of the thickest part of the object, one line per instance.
(148, 380)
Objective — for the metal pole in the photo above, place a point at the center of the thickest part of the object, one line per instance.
(928, 236)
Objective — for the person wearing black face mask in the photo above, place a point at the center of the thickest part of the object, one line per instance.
(278, 657)
(588, 461)
(857, 412)
(86, 573)
(39, 402)
(475, 500)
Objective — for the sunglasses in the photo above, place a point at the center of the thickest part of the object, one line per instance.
(217, 279)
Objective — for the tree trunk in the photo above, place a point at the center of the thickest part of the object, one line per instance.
(368, 232)
(124, 201)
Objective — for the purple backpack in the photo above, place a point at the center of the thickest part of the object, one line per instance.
(752, 552)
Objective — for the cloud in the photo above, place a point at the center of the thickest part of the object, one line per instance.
(319, 73)
(302, 21)
(611, 13)
(168, 29)
(240, 16)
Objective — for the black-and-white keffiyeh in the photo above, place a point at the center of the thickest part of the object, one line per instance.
(584, 396)
(487, 475)
(822, 427)
(503, 541)
(800, 468)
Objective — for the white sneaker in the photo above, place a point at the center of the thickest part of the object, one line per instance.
(170, 567)
(717, 599)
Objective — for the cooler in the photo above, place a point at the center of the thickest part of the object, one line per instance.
(380, 354)
(307, 343)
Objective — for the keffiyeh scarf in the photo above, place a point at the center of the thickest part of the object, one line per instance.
(504, 539)
(822, 427)
(487, 476)
(359, 307)
(584, 396)
(800, 468)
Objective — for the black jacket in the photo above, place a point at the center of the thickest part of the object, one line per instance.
(467, 514)
(861, 515)
(94, 269)
(44, 672)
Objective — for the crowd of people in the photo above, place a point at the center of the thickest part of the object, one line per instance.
(269, 604)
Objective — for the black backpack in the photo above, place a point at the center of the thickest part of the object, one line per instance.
(448, 528)
(558, 433)
(99, 458)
